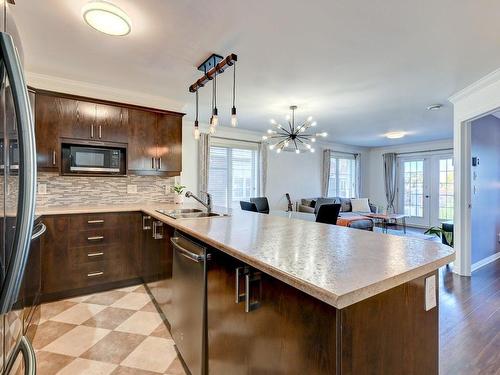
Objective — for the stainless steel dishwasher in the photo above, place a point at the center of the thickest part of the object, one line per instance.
(189, 295)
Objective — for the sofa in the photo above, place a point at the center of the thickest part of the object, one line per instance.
(350, 218)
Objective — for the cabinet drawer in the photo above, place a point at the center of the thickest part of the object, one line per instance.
(104, 236)
(96, 221)
(91, 254)
(98, 272)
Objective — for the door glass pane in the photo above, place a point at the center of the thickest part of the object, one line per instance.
(243, 175)
(446, 181)
(413, 188)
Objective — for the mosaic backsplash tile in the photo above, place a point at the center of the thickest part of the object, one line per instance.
(74, 191)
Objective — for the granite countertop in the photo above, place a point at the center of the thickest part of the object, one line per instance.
(338, 265)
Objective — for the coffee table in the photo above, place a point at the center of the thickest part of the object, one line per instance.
(388, 219)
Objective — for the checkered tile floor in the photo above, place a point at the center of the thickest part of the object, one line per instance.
(118, 332)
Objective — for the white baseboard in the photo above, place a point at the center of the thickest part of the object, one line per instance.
(484, 262)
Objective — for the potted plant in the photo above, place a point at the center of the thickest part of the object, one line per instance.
(446, 236)
(178, 189)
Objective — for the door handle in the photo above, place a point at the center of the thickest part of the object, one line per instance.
(95, 238)
(157, 235)
(144, 225)
(249, 279)
(100, 131)
(90, 255)
(92, 131)
(99, 221)
(159, 162)
(153, 163)
(53, 157)
(240, 271)
(94, 274)
(185, 252)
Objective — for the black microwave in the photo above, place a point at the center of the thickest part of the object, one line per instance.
(86, 159)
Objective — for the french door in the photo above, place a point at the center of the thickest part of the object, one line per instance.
(425, 190)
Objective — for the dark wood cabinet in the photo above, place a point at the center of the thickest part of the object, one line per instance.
(285, 332)
(153, 137)
(90, 251)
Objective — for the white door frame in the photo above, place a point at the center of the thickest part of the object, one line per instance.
(479, 99)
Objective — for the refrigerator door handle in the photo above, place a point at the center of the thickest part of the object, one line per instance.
(27, 174)
(24, 346)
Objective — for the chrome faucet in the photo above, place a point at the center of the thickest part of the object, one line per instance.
(208, 204)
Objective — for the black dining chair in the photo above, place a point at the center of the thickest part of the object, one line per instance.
(328, 213)
(262, 204)
(248, 206)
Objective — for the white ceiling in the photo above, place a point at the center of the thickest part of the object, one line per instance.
(361, 68)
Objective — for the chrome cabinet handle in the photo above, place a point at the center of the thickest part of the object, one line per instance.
(94, 274)
(153, 163)
(159, 163)
(54, 157)
(157, 235)
(98, 221)
(95, 238)
(90, 255)
(100, 131)
(27, 173)
(251, 278)
(92, 131)
(144, 225)
(41, 231)
(240, 271)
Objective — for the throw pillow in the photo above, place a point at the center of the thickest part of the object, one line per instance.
(312, 204)
(360, 205)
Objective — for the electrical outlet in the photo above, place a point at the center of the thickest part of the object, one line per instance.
(430, 293)
(131, 189)
(42, 189)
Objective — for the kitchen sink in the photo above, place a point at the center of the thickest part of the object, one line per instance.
(188, 213)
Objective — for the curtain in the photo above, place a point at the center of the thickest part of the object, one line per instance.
(390, 180)
(325, 176)
(357, 183)
(262, 168)
(203, 162)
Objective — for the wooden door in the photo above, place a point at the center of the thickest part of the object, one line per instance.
(286, 331)
(169, 140)
(53, 116)
(111, 123)
(141, 140)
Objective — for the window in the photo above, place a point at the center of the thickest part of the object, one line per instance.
(413, 188)
(233, 175)
(446, 180)
(342, 182)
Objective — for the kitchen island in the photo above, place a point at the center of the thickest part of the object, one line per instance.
(326, 299)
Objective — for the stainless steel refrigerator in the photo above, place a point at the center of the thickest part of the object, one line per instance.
(17, 201)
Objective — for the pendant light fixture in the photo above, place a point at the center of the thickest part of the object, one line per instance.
(211, 68)
(196, 130)
(234, 119)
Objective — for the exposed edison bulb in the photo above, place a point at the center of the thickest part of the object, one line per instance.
(278, 126)
(272, 121)
(196, 133)
(264, 137)
(278, 150)
(308, 146)
(270, 131)
(302, 129)
(312, 150)
(314, 123)
(215, 120)
(287, 143)
(309, 119)
(271, 147)
(234, 119)
(297, 151)
(287, 117)
(313, 139)
(324, 134)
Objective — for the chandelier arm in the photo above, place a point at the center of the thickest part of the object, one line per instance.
(295, 142)
(305, 136)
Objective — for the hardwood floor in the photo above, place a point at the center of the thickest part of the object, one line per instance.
(469, 320)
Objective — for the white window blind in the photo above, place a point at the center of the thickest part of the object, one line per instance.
(342, 181)
(232, 175)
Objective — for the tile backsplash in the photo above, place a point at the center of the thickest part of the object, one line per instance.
(74, 191)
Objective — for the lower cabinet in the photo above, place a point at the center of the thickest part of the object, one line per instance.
(157, 261)
(259, 325)
(85, 252)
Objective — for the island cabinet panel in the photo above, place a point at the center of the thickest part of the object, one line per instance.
(391, 333)
(286, 331)
(157, 256)
(90, 252)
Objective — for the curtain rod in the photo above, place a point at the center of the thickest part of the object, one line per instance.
(422, 152)
(234, 139)
(345, 152)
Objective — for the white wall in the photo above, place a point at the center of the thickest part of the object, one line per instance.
(376, 189)
(298, 175)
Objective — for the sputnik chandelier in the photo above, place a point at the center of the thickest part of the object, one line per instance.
(292, 137)
(212, 67)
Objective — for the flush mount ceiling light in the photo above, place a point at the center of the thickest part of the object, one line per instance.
(106, 18)
(296, 138)
(395, 135)
(434, 107)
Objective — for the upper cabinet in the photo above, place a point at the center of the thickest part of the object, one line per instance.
(153, 138)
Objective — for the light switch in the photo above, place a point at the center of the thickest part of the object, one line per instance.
(131, 189)
(42, 189)
(430, 293)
